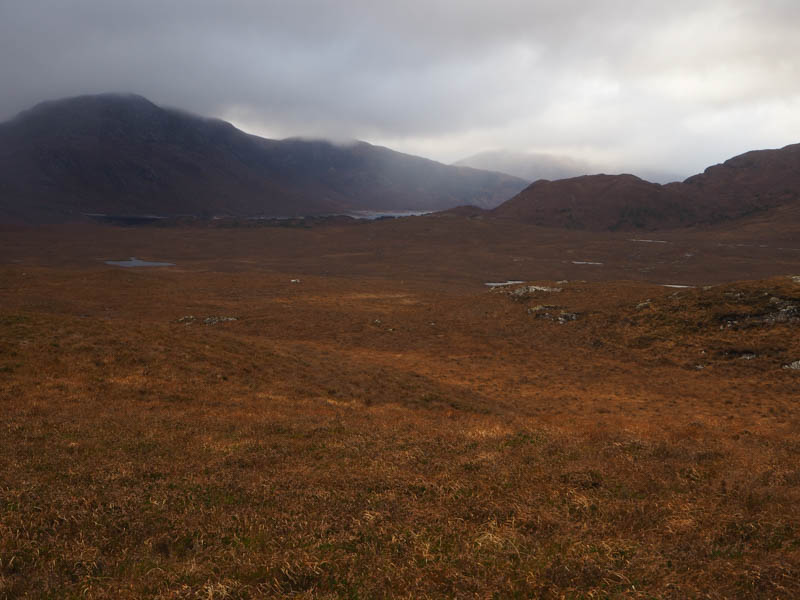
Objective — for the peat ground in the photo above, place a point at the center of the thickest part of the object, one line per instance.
(387, 425)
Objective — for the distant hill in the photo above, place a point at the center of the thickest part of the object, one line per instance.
(746, 185)
(123, 155)
(527, 165)
(599, 202)
(540, 165)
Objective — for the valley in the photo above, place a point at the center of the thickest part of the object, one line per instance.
(348, 410)
(375, 300)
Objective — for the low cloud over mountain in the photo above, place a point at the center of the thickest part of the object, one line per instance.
(122, 154)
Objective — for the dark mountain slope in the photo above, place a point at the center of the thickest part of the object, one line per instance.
(597, 202)
(755, 180)
(121, 154)
(746, 185)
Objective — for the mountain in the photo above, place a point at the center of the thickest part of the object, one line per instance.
(538, 165)
(598, 202)
(656, 175)
(759, 179)
(527, 165)
(749, 184)
(124, 155)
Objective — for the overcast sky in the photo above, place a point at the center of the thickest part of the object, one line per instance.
(674, 85)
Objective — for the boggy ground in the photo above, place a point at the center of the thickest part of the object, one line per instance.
(395, 430)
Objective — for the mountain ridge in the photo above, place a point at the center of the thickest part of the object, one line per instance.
(122, 154)
(751, 183)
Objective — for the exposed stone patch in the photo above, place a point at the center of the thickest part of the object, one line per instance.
(502, 284)
(215, 320)
(526, 291)
(778, 310)
(212, 320)
(539, 307)
(535, 288)
(561, 318)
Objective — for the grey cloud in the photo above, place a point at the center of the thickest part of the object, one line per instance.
(608, 79)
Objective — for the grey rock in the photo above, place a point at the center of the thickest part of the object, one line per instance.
(525, 291)
(540, 307)
(561, 319)
(566, 317)
(215, 320)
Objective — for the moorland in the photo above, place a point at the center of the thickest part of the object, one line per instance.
(292, 402)
(340, 408)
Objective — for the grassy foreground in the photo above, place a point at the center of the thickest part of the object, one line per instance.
(351, 439)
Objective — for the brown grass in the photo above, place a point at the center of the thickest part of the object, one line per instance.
(366, 437)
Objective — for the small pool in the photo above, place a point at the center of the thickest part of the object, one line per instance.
(135, 262)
